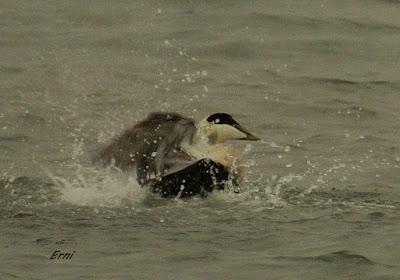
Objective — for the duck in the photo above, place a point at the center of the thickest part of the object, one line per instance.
(175, 156)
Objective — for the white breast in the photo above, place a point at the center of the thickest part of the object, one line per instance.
(226, 154)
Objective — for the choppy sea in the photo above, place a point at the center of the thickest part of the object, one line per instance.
(318, 81)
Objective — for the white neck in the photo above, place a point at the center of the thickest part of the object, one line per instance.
(209, 141)
(216, 133)
(203, 133)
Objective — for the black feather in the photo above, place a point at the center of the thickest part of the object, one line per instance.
(222, 118)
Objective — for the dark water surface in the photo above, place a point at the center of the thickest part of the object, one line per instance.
(318, 81)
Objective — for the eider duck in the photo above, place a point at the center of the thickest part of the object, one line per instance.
(176, 157)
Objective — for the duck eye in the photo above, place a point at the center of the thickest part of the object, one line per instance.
(216, 121)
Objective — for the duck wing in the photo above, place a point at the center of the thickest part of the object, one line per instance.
(152, 146)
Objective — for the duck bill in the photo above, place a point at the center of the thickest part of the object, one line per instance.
(249, 136)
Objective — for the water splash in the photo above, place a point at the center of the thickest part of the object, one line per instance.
(89, 186)
(263, 193)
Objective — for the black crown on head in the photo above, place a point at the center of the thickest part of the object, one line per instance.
(221, 118)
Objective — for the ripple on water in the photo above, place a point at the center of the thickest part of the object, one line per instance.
(369, 26)
(7, 69)
(343, 258)
(272, 21)
(14, 138)
(335, 82)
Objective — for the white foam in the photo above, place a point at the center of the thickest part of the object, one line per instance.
(88, 186)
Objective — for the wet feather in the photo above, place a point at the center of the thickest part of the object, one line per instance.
(152, 146)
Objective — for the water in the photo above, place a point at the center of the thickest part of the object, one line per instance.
(318, 81)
